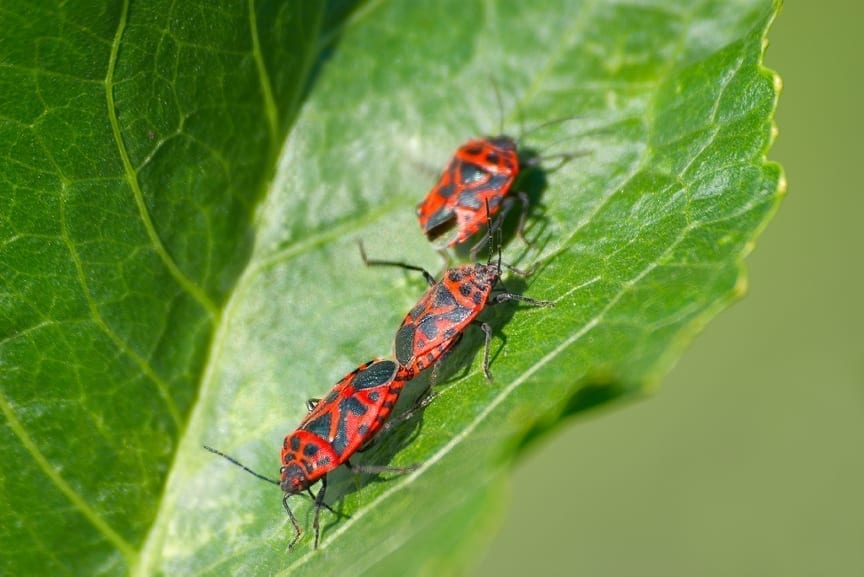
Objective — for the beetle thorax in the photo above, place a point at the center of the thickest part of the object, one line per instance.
(503, 142)
(486, 275)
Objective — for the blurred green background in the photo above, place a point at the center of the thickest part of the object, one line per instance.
(749, 460)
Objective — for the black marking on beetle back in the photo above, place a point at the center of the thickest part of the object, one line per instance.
(349, 406)
(330, 398)
(438, 219)
(493, 158)
(454, 317)
(417, 310)
(430, 326)
(320, 426)
(478, 297)
(444, 298)
(375, 375)
(294, 442)
(404, 344)
(465, 289)
(472, 174)
(310, 450)
(446, 191)
(473, 198)
(429, 329)
(474, 149)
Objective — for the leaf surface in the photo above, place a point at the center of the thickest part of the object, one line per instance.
(179, 262)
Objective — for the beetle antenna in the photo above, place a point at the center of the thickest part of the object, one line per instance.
(500, 105)
(241, 465)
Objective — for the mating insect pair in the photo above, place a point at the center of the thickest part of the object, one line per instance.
(436, 323)
(354, 412)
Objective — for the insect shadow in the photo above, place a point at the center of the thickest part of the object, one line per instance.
(592, 392)
(473, 343)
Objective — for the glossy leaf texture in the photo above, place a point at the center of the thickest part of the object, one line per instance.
(183, 188)
(136, 141)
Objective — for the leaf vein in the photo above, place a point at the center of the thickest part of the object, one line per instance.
(142, 363)
(263, 77)
(17, 427)
(132, 179)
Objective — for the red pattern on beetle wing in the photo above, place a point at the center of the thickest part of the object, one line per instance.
(351, 413)
(436, 322)
(481, 173)
(337, 426)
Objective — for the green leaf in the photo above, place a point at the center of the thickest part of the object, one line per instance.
(178, 262)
